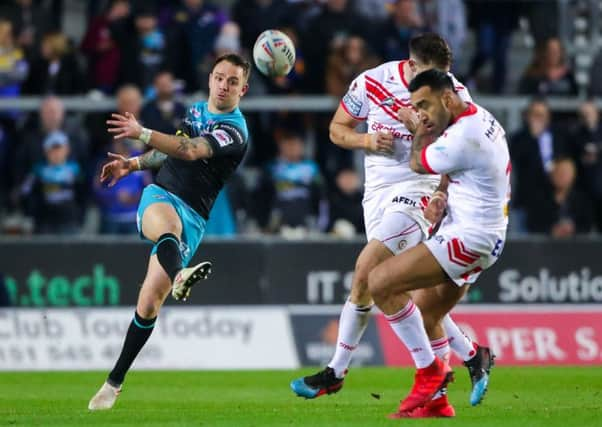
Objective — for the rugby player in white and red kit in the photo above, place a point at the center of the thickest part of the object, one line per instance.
(393, 204)
(470, 148)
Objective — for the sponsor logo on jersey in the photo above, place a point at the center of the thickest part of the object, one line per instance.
(234, 132)
(195, 112)
(354, 105)
(379, 127)
(388, 102)
(223, 138)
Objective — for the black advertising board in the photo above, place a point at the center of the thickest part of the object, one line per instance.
(110, 273)
(56, 273)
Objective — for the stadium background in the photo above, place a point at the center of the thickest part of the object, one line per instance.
(284, 247)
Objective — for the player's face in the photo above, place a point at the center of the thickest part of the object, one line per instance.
(432, 110)
(227, 84)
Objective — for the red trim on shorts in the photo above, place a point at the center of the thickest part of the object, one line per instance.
(468, 112)
(404, 232)
(467, 275)
(425, 162)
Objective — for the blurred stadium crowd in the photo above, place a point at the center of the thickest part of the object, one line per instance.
(148, 54)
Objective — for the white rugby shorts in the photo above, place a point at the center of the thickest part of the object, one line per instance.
(464, 253)
(406, 197)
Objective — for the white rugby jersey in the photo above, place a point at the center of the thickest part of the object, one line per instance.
(376, 95)
(473, 152)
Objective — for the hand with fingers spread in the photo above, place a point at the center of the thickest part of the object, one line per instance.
(117, 168)
(409, 118)
(124, 126)
(379, 142)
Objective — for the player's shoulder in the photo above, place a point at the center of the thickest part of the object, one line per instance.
(382, 71)
(195, 111)
(467, 121)
(474, 122)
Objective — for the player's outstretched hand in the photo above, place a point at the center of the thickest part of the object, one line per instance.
(380, 142)
(115, 169)
(124, 126)
(436, 207)
(409, 117)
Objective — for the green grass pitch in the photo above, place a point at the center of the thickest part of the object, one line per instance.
(522, 397)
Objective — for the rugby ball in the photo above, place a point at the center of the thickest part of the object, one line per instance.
(274, 53)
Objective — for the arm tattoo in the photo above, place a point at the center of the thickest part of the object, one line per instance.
(152, 159)
(443, 184)
(190, 144)
(419, 141)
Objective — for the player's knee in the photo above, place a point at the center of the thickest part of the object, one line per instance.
(171, 227)
(378, 285)
(148, 309)
(360, 280)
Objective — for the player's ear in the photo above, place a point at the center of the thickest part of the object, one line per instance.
(412, 65)
(447, 98)
(244, 90)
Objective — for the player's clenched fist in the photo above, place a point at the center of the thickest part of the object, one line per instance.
(434, 211)
(379, 142)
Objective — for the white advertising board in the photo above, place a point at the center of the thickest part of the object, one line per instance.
(184, 338)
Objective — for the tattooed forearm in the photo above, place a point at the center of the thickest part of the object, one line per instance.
(419, 141)
(186, 145)
(152, 159)
(443, 184)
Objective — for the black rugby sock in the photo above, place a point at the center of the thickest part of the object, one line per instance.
(168, 254)
(137, 335)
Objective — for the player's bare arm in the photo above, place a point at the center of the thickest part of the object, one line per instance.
(180, 147)
(343, 133)
(121, 166)
(152, 159)
(420, 141)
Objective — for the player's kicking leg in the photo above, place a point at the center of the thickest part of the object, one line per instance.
(160, 224)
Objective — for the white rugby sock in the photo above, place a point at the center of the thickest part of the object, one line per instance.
(352, 325)
(408, 325)
(459, 343)
(440, 347)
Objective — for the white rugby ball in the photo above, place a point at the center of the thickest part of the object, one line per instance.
(274, 53)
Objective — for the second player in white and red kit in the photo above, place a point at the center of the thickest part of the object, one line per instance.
(394, 200)
(376, 96)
